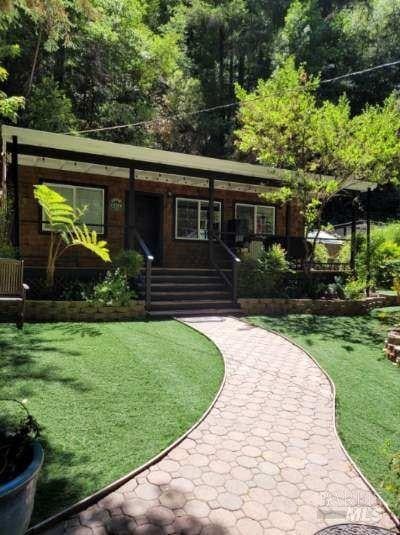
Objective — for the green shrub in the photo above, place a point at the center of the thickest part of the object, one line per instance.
(354, 289)
(387, 315)
(113, 290)
(8, 251)
(130, 262)
(265, 276)
(384, 254)
(321, 254)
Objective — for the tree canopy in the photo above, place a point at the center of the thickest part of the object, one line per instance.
(87, 64)
(283, 123)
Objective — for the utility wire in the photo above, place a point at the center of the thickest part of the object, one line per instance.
(228, 105)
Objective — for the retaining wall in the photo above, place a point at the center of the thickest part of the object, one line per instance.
(328, 307)
(72, 311)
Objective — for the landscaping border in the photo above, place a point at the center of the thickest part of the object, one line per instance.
(324, 307)
(58, 311)
(393, 516)
(98, 495)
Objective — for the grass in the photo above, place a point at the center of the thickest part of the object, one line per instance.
(109, 396)
(367, 383)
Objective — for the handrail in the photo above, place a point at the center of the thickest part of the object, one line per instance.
(149, 259)
(235, 264)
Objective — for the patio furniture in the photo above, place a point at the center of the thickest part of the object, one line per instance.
(12, 287)
(354, 529)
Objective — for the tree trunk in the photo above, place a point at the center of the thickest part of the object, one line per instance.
(35, 62)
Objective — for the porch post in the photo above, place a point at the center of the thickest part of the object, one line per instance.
(353, 241)
(368, 256)
(131, 210)
(288, 226)
(211, 220)
(15, 190)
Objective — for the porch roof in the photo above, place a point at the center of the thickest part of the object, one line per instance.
(61, 151)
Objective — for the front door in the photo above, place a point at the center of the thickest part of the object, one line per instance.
(148, 211)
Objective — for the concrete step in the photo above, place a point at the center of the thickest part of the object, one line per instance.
(183, 271)
(189, 296)
(195, 312)
(192, 304)
(178, 279)
(187, 286)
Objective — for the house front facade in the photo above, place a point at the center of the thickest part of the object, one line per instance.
(163, 196)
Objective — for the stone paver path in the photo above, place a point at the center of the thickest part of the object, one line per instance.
(266, 459)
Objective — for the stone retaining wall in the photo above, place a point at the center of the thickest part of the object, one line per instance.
(72, 311)
(328, 307)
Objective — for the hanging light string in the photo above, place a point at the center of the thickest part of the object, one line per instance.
(224, 106)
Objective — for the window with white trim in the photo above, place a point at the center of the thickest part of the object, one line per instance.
(191, 219)
(80, 197)
(256, 218)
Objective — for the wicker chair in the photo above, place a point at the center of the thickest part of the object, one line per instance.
(12, 287)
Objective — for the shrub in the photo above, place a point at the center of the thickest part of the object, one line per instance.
(354, 289)
(265, 276)
(8, 251)
(335, 289)
(130, 262)
(76, 290)
(321, 254)
(113, 290)
(16, 436)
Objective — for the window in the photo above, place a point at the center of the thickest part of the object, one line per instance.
(192, 219)
(256, 219)
(79, 197)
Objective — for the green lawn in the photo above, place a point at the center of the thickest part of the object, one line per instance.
(367, 384)
(109, 396)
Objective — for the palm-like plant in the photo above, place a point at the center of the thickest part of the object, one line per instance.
(65, 229)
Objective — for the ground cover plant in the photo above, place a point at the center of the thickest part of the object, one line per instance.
(108, 396)
(367, 385)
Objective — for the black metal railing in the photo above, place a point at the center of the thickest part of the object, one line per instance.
(235, 262)
(149, 261)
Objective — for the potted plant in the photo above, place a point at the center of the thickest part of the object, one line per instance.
(21, 457)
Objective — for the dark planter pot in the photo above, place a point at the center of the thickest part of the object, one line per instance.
(17, 496)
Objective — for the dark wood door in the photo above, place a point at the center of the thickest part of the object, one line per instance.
(148, 210)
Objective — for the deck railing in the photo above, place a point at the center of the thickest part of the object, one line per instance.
(235, 262)
(149, 260)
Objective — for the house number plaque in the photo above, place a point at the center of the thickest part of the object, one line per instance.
(116, 205)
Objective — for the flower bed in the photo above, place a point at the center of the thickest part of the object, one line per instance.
(74, 311)
(327, 307)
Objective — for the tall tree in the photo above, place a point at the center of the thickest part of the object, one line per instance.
(326, 149)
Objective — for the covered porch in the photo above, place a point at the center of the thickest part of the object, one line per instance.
(185, 213)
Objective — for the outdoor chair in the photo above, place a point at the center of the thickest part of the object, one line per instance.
(12, 287)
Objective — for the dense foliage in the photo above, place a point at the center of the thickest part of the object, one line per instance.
(113, 290)
(384, 255)
(18, 430)
(284, 124)
(264, 276)
(83, 64)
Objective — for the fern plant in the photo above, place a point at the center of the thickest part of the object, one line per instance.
(65, 229)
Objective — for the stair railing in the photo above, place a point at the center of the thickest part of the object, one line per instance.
(235, 262)
(149, 260)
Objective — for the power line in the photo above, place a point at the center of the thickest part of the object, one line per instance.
(226, 106)
(357, 73)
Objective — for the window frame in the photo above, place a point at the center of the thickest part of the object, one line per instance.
(74, 186)
(255, 206)
(198, 201)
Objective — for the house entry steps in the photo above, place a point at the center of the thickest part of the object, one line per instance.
(266, 460)
(189, 292)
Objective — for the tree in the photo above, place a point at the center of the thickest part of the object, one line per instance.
(323, 147)
(65, 229)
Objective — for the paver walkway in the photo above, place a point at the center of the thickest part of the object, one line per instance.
(266, 459)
